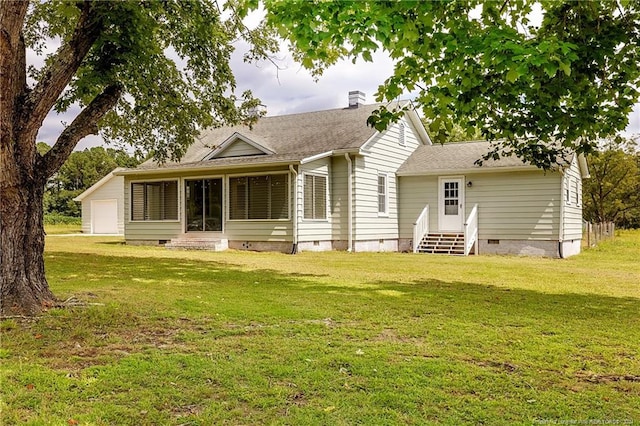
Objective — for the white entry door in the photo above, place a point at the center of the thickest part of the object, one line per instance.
(104, 215)
(451, 204)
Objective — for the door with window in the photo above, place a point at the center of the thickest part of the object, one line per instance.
(203, 201)
(451, 204)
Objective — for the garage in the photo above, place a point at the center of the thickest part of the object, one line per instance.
(103, 206)
(104, 218)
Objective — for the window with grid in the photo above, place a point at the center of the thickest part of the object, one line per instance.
(258, 197)
(315, 197)
(154, 200)
(382, 194)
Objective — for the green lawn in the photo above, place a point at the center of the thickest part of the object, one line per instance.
(198, 338)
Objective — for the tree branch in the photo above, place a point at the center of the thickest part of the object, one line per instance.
(59, 73)
(84, 124)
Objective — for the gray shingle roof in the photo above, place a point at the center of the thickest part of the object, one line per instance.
(291, 138)
(434, 159)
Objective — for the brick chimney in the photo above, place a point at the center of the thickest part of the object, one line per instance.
(356, 98)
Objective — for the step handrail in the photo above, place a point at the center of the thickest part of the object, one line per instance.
(420, 228)
(471, 230)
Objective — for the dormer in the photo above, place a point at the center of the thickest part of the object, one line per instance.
(238, 145)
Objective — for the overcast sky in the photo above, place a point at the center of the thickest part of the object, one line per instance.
(291, 89)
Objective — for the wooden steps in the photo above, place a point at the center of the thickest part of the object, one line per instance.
(210, 244)
(442, 243)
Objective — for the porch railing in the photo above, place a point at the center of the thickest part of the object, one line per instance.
(471, 231)
(420, 228)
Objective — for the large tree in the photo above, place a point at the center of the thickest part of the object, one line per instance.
(537, 78)
(149, 73)
(612, 193)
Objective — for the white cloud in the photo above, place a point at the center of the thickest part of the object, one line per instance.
(634, 122)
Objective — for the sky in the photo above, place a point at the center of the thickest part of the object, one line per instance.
(287, 89)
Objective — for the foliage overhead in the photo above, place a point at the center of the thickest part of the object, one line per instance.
(164, 102)
(612, 194)
(535, 90)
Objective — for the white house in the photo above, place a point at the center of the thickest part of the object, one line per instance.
(325, 180)
(103, 206)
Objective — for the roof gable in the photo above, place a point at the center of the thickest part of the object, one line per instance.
(238, 145)
(98, 184)
(285, 138)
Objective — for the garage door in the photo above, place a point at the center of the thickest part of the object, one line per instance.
(104, 214)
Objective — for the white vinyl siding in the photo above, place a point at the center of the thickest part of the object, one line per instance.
(239, 149)
(384, 156)
(259, 197)
(572, 221)
(511, 205)
(315, 197)
(154, 200)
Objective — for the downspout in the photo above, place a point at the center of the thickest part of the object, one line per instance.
(294, 249)
(561, 224)
(349, 202)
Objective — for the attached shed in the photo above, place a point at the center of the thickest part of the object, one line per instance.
(103, 206)
(519, 208)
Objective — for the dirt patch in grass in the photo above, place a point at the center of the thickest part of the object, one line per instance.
(591, 377)
(505, 366)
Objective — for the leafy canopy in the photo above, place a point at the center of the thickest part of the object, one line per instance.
(536, 91)
(165, 102)
(612, 194)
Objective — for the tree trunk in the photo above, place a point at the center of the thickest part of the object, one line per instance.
(23, 172)
(23, 286)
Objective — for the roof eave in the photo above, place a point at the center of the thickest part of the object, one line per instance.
(437, 172)
(178, 170)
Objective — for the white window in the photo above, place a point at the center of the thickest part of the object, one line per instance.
(402, 133)
(383, 196)
(567, 191)
(315, 197)
(154, 200)
(576, 195)
(259, 197)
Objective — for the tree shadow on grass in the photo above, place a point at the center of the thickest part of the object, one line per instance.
(467, 338)
(186, 280)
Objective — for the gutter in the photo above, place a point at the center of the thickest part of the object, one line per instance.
(294, 249)
(438, 172)
(349, 202)
(178, 170)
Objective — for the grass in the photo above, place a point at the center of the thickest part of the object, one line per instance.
(195, 338)
(63, 228)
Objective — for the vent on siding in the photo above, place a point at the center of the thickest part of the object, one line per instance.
(402, 130)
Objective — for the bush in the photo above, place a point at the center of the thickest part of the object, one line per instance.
(58, 219)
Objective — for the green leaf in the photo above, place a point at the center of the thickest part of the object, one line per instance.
(512, 75)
